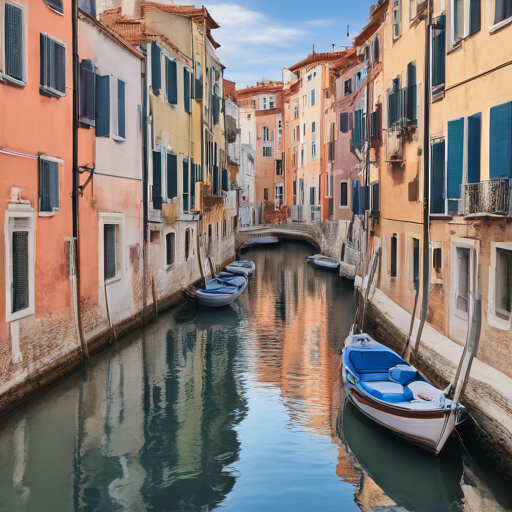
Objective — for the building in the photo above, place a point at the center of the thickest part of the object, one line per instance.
(110, 160)
(38, 312)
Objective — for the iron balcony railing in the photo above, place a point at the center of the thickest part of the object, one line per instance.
(487, 197)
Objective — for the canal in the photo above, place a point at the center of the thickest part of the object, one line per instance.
(239, 409)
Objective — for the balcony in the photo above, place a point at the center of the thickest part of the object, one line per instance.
(486, 198)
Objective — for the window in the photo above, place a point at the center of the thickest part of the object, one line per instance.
(14, 43)
(224, 228)
(87, 93)
(502, 10)
(279, 167)
(156, 188)
(503, 283)
(313, 127)
(266, 134)
(279, 192)
(272, 102)
(348, 86)
(55, 5)
(312, 195)
(344, 194)
(313, 150)
(304, 129)
(187, 90)
(326, 93)
(437, 180)
(309, 78)
(394, 255)
(438, 53)
(376, 50)
(264, 103)
(171, 81)
(462, 289)
(313, 97)
(280, 131)
(265, 194)
(53, 66)
(397, 18)
(103, 106)
(188, 241)
(416, 263)
(198, 89)
(267, 151)
(296, 109)
(345, 125)
(49, 186)
(119, 110)
(170, 247)
(465, 16)
(253, 103)
(110, 250)
(437, 260)
(186, 185)
(455, 164)
(304, 101)
(20, 271)
(297, 133)
(303, 156)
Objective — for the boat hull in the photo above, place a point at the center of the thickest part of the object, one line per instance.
(217, 300)
(328, 264)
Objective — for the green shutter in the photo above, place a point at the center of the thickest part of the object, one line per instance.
(186, 91)
(156, 71)
(500, 150)
(474, 16)
(358, 126)
(121, 112)
(455, 165)
(14, 49)
(172, 176)
(225, 180)
(172, 82)
(437, 171)
(157, 180)
(199, 81)
(102, 106)
(186, 177)
(439, 53)
(20, 283)
(474, 145)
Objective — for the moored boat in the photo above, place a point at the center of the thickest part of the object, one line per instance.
(391, 392)
(324, 262)
(221, 291)
(241, 267)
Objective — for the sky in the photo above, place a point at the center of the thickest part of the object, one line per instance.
(260, 37)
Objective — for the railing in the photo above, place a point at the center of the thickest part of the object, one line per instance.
(486, 197)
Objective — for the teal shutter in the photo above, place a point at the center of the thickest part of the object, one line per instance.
(186, 91)
(14, 49)
(225, 180)
(172, 176)
(198, 93)
(121, 109)
(439, 52)
(500, 150)
(358, 126)
(156, 71)
(186, 178)
(172, 82)
(474, 145)
(437, 170)
(455, 163)
(102, 106)
(157, 180)
(474, 16)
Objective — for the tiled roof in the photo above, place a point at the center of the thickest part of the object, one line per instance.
(317, 57)
(258, 89)
(183, 10)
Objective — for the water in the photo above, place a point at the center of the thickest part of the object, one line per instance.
(236, 409)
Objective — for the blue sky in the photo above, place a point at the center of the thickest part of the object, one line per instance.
(260, 37)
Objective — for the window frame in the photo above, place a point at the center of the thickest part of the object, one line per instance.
(24, 38)
(60, 163)
(313, 97)
(14, 212)
(45, 88)
(493, 319)
(345, 206)
(494, 27)
(172, 264)
(114, 108)
(116, 219)
(267, 151)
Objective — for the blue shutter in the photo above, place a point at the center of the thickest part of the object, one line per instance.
(186, 91)
(20, 284)
(186, 178)
(14, 49)
(355, 197)
(455, 163)
(437, 170)
(225, 180)
(157, 180)
(439, 52)
(102, 106)
(54, 185)
(198, 92)
(474, 145)
(109, 251)
(87, 92)
(121, 114)
(156, 71)
(172, 176)
(500, 150)
(172, 82)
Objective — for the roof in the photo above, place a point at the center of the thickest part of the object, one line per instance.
(259, 89)
(183, 10)
(110, 34)
(316, 58)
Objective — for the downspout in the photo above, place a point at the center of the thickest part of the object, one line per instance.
(145, 202)
(426, 183)
(75, 284)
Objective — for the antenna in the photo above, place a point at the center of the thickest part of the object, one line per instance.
(348, 30)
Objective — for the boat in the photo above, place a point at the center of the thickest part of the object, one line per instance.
(324, 262)
(242, 267)
(391, 392)
(221, 291)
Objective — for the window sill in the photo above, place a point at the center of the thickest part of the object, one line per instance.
(118, 138)
(47, 214)
(170, 268)
(24, 313)
(500, 25)
(50, 93)
(343, 207)
(112, 280)
(440, 216)
(455, 46)
(9, 80)
(85, 122)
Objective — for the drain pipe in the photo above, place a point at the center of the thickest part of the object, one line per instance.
(426, 184)
(76, 183)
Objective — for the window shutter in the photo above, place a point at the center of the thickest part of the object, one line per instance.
(376, 196)
(394, 256)
(44, 186)
(411, 91)
(54, 185)
(53, 64)
(20, 285)
(60, 67)
(355, 197)
(225, 180)
(344, 122)
(437, 196)
(500, 150)
(157, 180)
(109, 251)
(56, 5)
(455, 162)
(172, 176)
(156, 71)
(358, 126)
(87, 92)
(186, 177)
(215, 180)
(439, 52)
(199, 81)
(186, 91)
(193, 179)
(474, 16)
(172, 82)
(103, 106)
(121, 112)
(474, 144)
(14, 42)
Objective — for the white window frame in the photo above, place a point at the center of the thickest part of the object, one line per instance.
(114, 116)
(47, 88)
(61, 174)
(313, 150)
(24, 9)
(396, 19)
(492, 318)
(296, 112)
(347, 206)
(313, 97)
(116, 219)
(13, 213)
(304, 102)
(170, 267)
(493, 27)
(281, 195)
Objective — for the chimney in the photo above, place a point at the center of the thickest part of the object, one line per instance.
(333, 48)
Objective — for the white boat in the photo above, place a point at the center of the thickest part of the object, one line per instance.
(242, 267)
(391, 392)
(324, 262)
(221, 291)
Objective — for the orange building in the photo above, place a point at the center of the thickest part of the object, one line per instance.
(37, 323)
